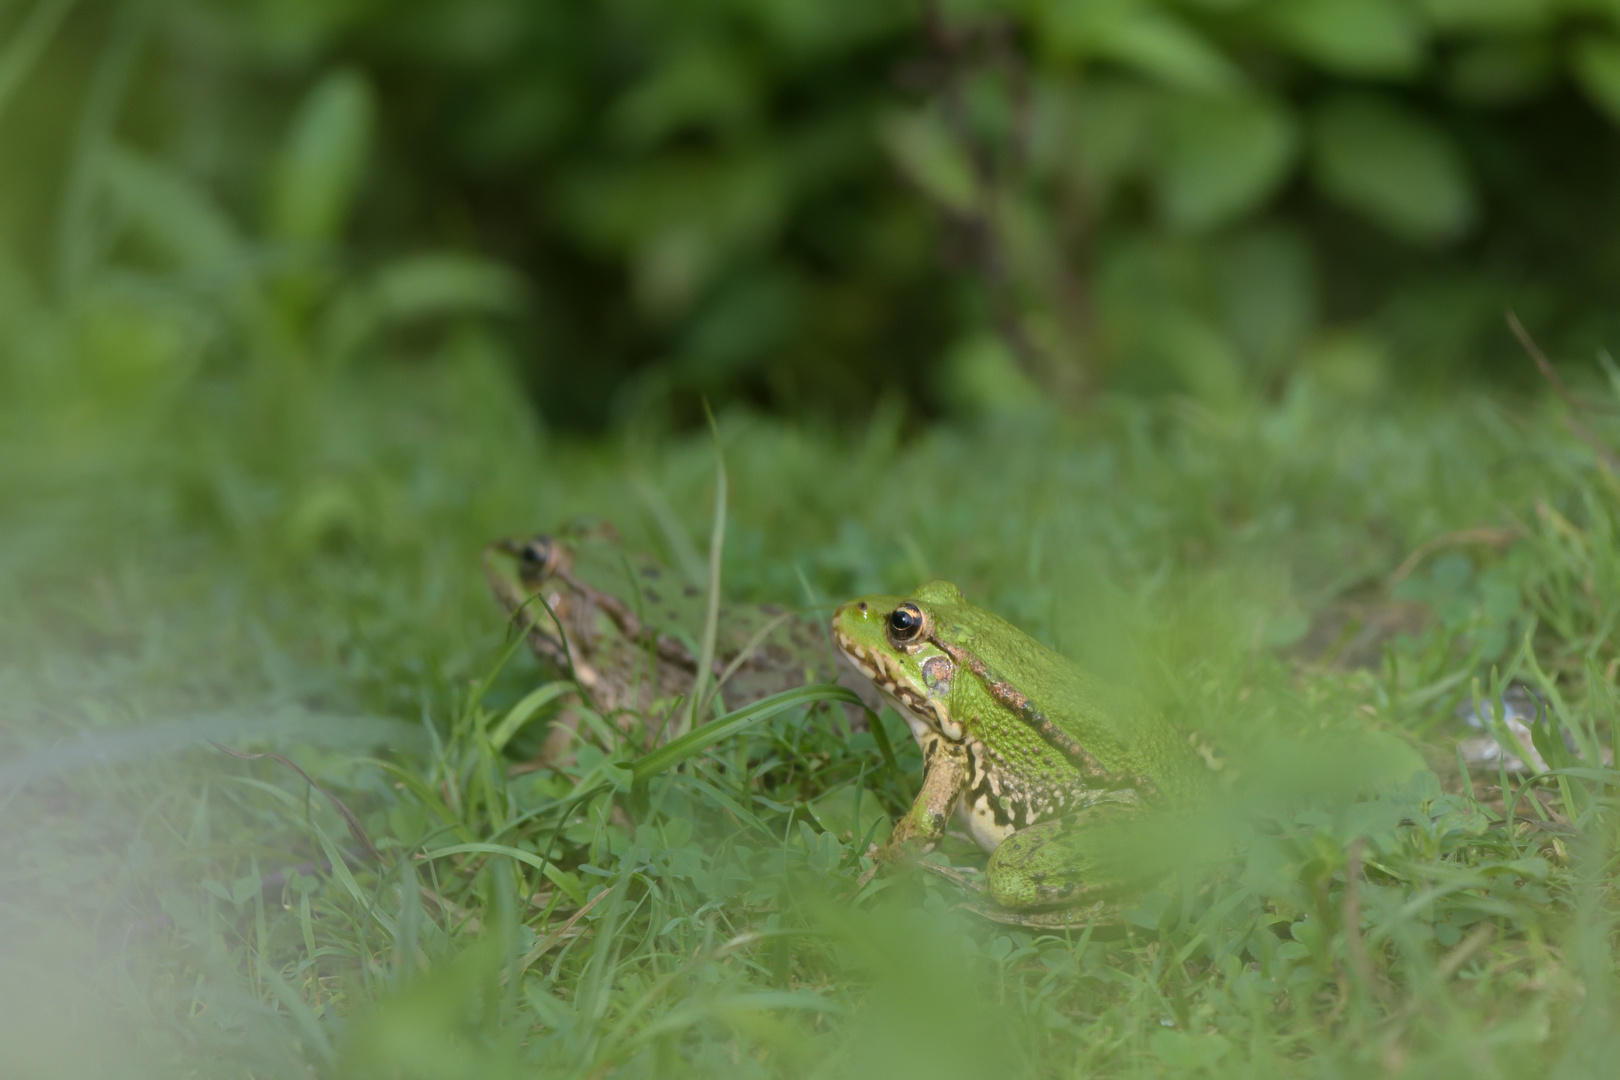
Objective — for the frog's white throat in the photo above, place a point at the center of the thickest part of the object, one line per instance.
(928, 715)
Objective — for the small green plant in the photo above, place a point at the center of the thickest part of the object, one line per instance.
(953, 203)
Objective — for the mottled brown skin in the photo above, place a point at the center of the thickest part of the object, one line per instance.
(624, 628)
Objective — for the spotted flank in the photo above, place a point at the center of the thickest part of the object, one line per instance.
(999, 801)
(1003, 691)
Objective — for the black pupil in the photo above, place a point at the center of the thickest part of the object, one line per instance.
(534, 553)
(904, 621)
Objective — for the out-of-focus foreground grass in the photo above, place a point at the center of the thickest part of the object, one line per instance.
(279, 553)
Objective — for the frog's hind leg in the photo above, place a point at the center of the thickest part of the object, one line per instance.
(1075, 917)
(1052, 875)
(1064, 863)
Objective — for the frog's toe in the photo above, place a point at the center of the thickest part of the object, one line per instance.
(963, 879)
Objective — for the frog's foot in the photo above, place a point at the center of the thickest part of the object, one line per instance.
(901, 850)
(866, 878)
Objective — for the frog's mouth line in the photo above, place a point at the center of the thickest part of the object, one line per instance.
(886, 676)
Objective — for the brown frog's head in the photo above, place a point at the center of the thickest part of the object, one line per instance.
(531, 576)
(538, 558)
(546, 564)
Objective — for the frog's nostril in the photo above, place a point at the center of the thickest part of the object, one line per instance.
(862, 607)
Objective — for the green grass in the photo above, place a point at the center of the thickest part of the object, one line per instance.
(284, 558)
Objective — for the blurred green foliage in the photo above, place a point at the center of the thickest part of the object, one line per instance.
(722, 198)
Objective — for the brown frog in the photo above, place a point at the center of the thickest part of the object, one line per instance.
(627, 630)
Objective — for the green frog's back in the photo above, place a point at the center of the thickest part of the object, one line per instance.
(1117, 726)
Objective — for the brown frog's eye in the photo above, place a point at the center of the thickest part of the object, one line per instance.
(905, 624)
(538, 557)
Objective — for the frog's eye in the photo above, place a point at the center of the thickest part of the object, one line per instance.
(538, 556)
(905, 624)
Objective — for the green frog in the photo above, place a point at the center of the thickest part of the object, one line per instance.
(1027, 750)
(627, 629)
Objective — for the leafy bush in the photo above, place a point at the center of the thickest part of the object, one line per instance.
(722, 198)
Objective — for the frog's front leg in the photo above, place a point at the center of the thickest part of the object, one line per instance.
(945, 776)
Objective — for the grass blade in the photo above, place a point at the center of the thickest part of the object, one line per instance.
(524, 711)
(742, 657)
(695, 742)
(555, 876)
(356, 830)
(18, 60)
(711, 617)
(681, 548)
